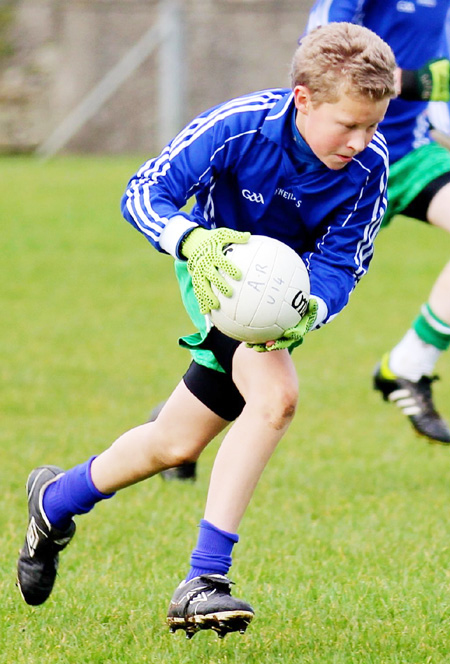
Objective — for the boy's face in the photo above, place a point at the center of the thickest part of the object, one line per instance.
(337, 132)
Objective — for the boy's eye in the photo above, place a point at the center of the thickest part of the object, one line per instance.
(351, 127)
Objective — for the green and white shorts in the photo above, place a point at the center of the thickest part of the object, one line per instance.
(193, 342)
(411, 175)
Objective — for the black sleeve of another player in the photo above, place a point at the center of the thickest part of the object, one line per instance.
(413, 89)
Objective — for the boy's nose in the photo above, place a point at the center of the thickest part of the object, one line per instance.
(357, 141)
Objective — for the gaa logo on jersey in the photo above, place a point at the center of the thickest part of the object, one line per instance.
(251, 196)
(406, 7)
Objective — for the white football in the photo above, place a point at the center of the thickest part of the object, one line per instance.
(272, 295)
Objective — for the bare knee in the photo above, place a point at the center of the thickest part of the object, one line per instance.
(284, 407)
(177, 454)
(278, 404)
(171, 451)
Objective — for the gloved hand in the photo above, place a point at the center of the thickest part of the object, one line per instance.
(429, 83)
(294, 335)
(204, 251)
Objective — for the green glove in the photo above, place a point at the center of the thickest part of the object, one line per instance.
(294, 335)
(429, 83)
(205, 253)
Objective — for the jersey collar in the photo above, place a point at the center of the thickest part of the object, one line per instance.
(279, 126)
(277, 121)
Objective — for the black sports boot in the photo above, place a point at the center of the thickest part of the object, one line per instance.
(39, 556)
(205, 602)
(414, 399)
(185, 473)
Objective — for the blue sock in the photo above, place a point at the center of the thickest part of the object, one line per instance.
(212, 555)
(72, 493)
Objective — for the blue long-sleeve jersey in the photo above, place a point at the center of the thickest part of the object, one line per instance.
(238, 161)
(415, 30)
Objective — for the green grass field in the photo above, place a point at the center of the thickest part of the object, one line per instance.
(345, 549)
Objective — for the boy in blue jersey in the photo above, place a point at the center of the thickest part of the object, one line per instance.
(419, 184)
(306, 166)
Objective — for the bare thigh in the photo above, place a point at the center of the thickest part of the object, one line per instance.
(439, 209)
(184, 418)
(439, 215)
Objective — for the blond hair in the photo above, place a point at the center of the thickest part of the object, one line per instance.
(344, 58)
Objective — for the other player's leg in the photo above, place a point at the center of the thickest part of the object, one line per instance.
(405, 375)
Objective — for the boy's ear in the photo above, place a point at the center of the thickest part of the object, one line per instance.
(302, 98)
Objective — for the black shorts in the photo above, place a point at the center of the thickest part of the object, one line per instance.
(213, 388)
(418, 207)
